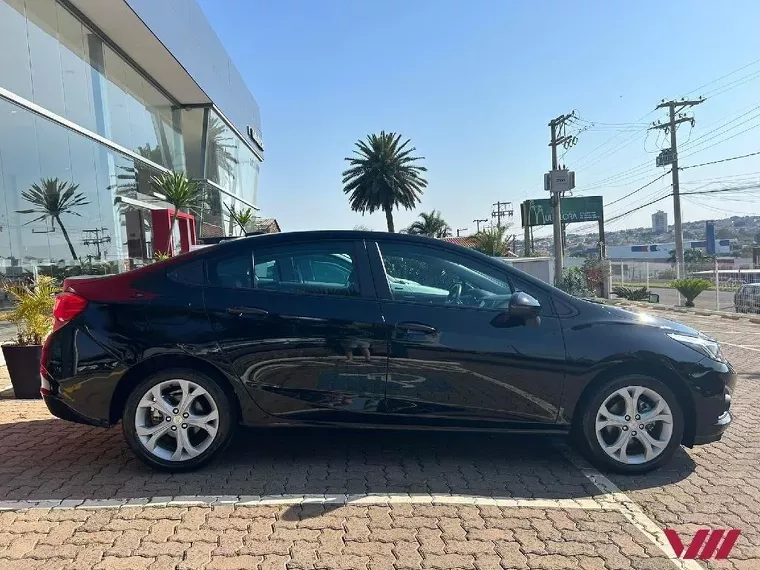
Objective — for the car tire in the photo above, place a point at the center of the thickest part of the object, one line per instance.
(183, 431)
(612, 437)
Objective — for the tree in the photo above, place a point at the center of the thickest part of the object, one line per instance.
(492, 241)
(362, 228)
(53, 199)
(181, 194)
(221, 149)
(724, 233)
(689, 256)
(431, 225)
(757, 238)
(243, 218)
(690, 288)
(383, 176)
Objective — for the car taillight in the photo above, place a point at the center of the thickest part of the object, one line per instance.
(67, 306)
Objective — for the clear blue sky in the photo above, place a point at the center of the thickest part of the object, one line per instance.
(474, 84)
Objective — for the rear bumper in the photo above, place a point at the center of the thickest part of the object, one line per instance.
(60, 409)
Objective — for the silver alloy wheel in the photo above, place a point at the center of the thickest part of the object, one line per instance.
(176, 420)
(634, 425)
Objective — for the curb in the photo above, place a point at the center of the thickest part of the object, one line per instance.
(684, 310)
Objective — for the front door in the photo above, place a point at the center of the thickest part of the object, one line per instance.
(452, 359)
(301, 326)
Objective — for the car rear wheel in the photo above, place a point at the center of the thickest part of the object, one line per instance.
(632, 424)
(178, 420)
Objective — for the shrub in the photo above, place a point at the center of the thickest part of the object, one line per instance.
(632, 294)
(33, 313)
(690, 288)
(573, 282)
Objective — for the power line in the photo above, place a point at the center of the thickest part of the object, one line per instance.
(750, 64)
(638, 189)
(721, 160)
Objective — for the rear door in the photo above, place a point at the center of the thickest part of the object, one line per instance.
(301, 326)
(452, 360)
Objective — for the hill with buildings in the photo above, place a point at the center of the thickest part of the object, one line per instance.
(744, 229)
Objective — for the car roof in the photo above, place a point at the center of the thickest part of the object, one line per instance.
(309, 235)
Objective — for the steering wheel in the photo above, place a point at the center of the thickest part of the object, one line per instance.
(455, 294)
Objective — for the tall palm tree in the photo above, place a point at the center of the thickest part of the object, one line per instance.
(51, 200)
(243, 218)
(181, 193)
(492, 241)
(220, 149)
(383, 176)
(431, 225)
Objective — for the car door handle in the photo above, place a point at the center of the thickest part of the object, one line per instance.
(242, 311)
(416, 327)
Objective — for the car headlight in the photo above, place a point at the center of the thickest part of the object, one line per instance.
(706, 346)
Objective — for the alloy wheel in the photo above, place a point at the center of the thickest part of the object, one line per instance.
(176, 420)
(634, 425)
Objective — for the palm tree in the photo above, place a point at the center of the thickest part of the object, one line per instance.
(492, 241)
(181, 193)
(220, 149)
(383, 176)
(243, 218)
(53, 199)
(431, 225)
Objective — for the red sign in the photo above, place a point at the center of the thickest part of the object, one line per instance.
(706, 540)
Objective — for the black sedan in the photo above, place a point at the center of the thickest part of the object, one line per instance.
(346, 328)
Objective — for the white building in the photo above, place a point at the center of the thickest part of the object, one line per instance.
(659, 222)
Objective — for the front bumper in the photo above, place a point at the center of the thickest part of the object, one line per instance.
(714, 390)
(724, 420)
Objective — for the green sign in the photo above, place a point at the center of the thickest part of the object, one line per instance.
(580, 209)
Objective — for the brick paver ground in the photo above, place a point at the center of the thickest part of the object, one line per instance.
(45, 459)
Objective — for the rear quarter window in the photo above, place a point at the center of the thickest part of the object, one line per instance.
(188, 273)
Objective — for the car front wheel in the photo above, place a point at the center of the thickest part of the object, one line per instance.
(177, 420)
(633, 424)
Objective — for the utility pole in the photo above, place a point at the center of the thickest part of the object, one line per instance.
(502, 209)
(461, 230)
(526, 206)
(478, 222)
(670, 156)
(97, 239)
(559, 137)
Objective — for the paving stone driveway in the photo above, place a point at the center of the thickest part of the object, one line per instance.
(364, 499)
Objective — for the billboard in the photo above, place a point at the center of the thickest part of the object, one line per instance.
(578, 209)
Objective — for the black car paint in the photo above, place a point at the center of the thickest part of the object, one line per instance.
(300, 358)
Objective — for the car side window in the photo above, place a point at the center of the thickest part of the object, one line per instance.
(308, 269)
(232, 272)
(188, 273)
(428, 275)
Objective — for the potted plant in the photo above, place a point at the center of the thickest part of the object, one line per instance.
(33, 317)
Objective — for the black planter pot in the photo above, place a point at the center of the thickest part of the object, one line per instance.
(24, 369)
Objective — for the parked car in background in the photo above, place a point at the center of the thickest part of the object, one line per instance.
(350, 328)
(747, 298)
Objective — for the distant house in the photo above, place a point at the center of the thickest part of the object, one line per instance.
(464, 241)
(266, 226)
(470, 242)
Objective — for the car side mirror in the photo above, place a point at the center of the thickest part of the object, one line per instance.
(523, 306)
(521, 311)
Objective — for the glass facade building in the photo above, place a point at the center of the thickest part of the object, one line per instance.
(84, 127)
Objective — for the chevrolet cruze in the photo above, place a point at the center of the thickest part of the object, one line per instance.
(347, 328)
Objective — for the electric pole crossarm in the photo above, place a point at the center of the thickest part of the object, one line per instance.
(681, 104)
(676, 122)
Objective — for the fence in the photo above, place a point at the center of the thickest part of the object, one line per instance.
(725, 276)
